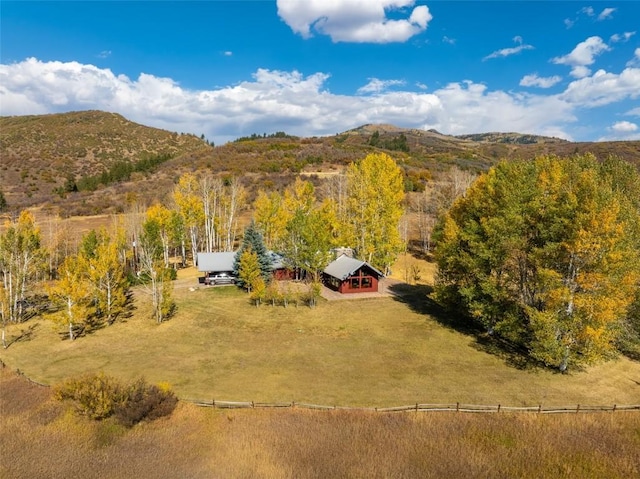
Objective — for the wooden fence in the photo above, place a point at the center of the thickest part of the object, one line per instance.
(418, 407)
(457, 407)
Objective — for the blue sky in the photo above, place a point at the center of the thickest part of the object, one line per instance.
(318, 67)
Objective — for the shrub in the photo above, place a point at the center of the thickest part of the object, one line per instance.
(145, 401)
(96, 396)
(99, 396)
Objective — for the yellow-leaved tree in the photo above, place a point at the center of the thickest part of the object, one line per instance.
(186, 196)
(545, 254)
(70, 293)
(375, 195)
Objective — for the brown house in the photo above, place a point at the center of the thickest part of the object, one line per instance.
(350, 275)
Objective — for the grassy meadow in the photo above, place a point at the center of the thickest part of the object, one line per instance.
(358, 352)
(41, 438)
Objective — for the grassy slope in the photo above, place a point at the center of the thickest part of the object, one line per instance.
(41, 439)
(39, 152)
(376, 352)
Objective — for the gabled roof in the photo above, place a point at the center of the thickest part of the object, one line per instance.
(345, 266)
(219, 261)
(277, 260)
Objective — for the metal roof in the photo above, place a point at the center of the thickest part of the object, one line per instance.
(219, 261)
(345, 266)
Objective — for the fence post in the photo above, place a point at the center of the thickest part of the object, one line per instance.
(539, 408)
(578, 408)
(498, 407)
(416, 407)
(614, 408)
(457, 407)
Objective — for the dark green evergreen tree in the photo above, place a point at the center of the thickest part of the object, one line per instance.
(253, 239)
(3, 202)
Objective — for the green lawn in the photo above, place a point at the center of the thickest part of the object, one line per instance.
(373, 352)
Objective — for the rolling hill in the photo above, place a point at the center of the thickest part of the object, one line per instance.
(96, 162)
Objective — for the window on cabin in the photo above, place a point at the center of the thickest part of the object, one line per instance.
(355, 283)
(366, 282)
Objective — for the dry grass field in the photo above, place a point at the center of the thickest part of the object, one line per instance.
(41, 438)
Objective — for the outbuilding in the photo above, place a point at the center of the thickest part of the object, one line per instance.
(350, 275)
(217, 267)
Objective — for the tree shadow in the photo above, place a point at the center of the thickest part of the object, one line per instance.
(23, 336)
(419, 299)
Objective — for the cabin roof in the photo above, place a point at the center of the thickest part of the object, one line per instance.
(218, 261)
(344, 266)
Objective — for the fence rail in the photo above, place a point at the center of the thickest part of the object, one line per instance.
(457, 407)
(417, 407)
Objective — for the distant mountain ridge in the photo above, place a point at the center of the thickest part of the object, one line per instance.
(45, 157)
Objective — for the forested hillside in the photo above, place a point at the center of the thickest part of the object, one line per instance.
(96, 162)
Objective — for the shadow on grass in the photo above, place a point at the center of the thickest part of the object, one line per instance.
(23, 336)
(418, 299)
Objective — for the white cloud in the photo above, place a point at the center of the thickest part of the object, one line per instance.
(624, 127)
(624, 37)
(634, 112)
(603, 88)
(376, 85)
(422, 86)
(587, 11)
(542, 82)
(450, 41)
(582, 55)
(606, 13)
(569, 23)
(505, 52)
(622, 131)
(635, 61)
(355, 20)
(104, 54)
(227, 53)
(300, 104)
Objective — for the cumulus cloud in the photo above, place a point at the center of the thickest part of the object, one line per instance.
(624, 127)
(622, 131)
(606, 14)
(582, 56)
(634, 112)
(505, 52)
(274, 101)
(355, 20)
(376, 85)
(541, 82)
(301, 104)
(603, 88)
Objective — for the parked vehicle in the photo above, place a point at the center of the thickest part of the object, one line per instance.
(220, 278)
